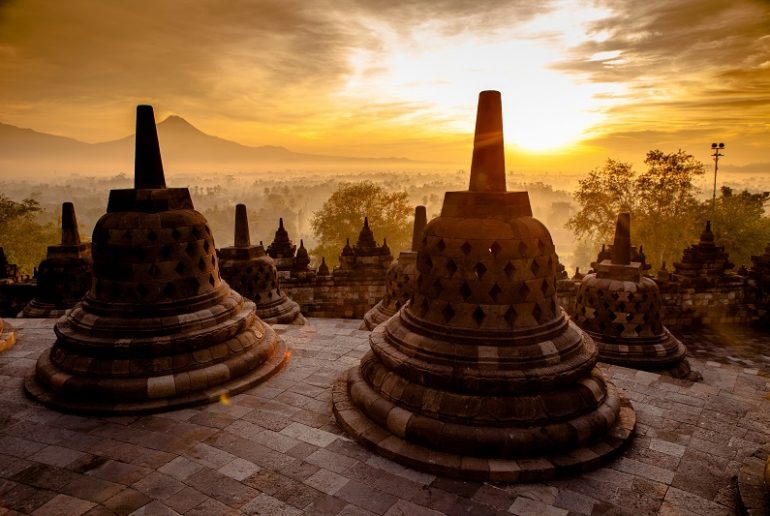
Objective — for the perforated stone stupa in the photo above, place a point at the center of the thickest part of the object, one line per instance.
(482, 375)
(64, 276)
(158, 328)
(621, 309)
(399, 282)
(252, 273)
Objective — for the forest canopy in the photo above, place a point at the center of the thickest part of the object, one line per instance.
(666, 217)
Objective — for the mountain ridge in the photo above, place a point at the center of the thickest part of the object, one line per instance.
(184, 147)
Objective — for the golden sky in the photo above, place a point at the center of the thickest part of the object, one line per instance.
(581, 80)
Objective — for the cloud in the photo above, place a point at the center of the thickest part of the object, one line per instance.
(279, 71)
(695, 61)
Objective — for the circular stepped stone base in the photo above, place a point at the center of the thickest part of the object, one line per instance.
(377, 315)
(220, 392)
(391, 446)
(37, 310)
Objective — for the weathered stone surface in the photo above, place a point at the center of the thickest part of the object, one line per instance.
(158, 328)
(248, 270)
(126, 450)
(399, 283)
(64, 276)
(481, 375)
(621, 310)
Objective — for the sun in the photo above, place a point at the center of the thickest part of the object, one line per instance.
(441, 73)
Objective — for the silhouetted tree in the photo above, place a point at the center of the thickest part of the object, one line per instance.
(739, 223)
(24, 240)
(664, 211)
(342, 216)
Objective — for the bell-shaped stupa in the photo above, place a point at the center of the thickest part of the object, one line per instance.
(482, 375)
(158, 329)
(250, 271)
(622, 311)
(64, 276)
(399, 282)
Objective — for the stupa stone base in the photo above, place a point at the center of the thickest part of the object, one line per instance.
(380, 313)
(386, 438)
(255, 353)
(662, 354)
(37, 310)
(286, 311)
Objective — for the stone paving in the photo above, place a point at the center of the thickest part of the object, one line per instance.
(277, 450)
(741, 345)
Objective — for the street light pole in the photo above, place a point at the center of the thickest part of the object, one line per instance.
(716, 147)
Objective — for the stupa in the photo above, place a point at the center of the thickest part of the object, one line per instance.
(482, 375)
(252, 273)
(620, 309)
(282, 249)
(365, 260)
(64, 276)
(158, 329)
(704, 262)
(399, 282)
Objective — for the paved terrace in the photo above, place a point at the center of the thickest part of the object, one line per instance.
(276, 449)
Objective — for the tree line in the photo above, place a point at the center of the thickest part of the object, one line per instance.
(666, 217)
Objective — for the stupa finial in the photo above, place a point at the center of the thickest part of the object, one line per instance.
(621, 248)
(148, 166)
(420, 221)
(488, 164)
(242, 238)
(69, 225)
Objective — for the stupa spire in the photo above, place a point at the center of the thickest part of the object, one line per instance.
(621, 248)
(241, 227)
(148, 165)
(488, 164)
(69, 225)
(420, 221)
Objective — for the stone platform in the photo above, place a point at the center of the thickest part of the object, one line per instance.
(276, 449)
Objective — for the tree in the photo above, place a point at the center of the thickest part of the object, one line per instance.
(24, 240)
(606, 192)
(664, 211)
(342, 217)
(739, 224)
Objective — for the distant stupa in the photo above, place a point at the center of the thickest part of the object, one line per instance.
(251, 272)
(399, 282)
(64, 276)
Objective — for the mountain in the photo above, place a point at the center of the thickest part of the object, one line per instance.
(185, 148)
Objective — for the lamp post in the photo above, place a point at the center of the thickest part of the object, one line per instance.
(716, 147)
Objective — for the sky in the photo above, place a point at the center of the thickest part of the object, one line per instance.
(581, 81)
